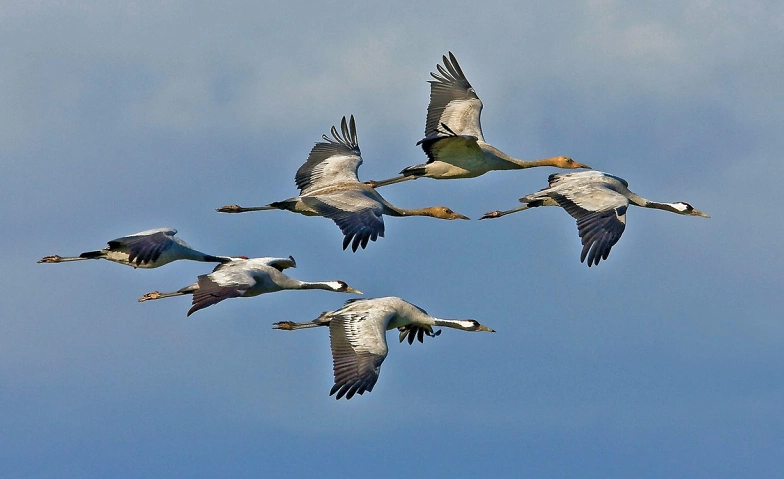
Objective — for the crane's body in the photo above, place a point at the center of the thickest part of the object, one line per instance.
(243, 277)
(357, 334)
(329, 187)
(146, 249)
(598, 201)
(453, 142)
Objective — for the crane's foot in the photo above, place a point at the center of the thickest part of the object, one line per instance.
(149, 296)
(285, 325)
(229, 209)
(51, 259)
(492, 214)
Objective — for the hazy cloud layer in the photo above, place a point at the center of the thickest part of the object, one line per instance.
(663, 361)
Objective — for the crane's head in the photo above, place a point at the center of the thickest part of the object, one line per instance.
(469, 325)
(480, 327)
(568, 163)
(683, 208)
(444, 213)
(342, 287)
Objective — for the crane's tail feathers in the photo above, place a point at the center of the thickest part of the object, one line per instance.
(289, 205)
(416, 170)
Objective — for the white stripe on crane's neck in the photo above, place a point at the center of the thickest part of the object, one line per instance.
(326, 285)
(464, 324)
(682, 207)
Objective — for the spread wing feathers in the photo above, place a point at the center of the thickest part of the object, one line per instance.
(584, 178)
(358, 217)
(599, 228)
(412, 332)
(453, 101)
(281, 263)
(336, 160)
(230, 283)
(556, 179)
(145, 247)
(355, 300)
(359, 346)
(451, 147)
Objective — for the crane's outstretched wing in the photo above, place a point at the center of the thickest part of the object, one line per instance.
(359, 346)
(592, 178)
(231, 281)
(144, 247)
(453, 102)
(601, 219)
(358, 217)
(446, 145)
(335, 160)
(280, 263)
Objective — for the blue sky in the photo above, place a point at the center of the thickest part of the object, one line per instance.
(664, 361)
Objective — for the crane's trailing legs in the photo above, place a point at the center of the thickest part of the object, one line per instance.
(499, 213)
(240, 209)
(158, 295)
(60, 259)
(391, 181)
(292, 326)
(527, 205)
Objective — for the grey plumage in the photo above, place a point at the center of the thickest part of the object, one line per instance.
(453, 142)
(357, 334)
(336, 159)
(243, 277)
(598, 201)
(329, 187)
(453, 102)
(146, 249)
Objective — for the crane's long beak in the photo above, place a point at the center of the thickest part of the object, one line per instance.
(699, 213)
(485, 328)
(580, 165)
(458, 216)
(354, 291)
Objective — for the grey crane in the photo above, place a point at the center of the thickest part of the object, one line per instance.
(329, 187)
(453, 142)
(146, 249)
(598, 201)
(357, 334)
(243, 277)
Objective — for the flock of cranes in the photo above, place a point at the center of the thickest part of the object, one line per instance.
(330, 187)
